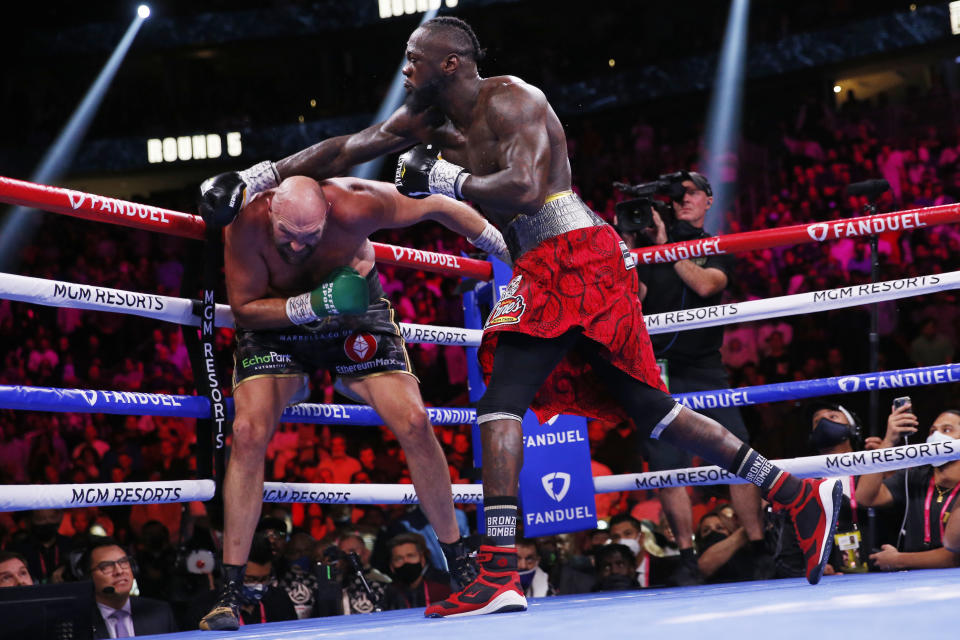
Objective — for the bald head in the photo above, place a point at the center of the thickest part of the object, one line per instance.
(298, 215)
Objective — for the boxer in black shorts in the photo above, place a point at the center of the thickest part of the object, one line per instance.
(357, 346)
(300, 279)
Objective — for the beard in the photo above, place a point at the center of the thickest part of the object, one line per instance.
(419, 99)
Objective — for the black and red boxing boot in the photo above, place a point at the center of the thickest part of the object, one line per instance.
(496, 590)
(814, 513)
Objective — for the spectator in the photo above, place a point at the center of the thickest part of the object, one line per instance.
(294, 568)
(415, 582)
(616, 568)
(724, 547)
(13, 570)
(43, 547)
(364, 588)
(927, 494)
(535, 581)
(833, 430)
(118, 613)
(341, 465)
(930, 348)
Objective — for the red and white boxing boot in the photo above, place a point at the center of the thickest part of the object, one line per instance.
(814, 513)
(495, 590)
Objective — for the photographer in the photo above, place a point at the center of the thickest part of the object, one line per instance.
(690, 359)
(927, 494)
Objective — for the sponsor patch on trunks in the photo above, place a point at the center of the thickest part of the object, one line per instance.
(360, 346)
(508, 310)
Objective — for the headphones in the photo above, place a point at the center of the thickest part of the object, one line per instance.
(853, 421)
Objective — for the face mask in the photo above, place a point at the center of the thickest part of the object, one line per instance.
(711, 539)
(254, 592)
(827, 433)
(408, 572)
(526, 577)
(936, 436)
(631, 543)
(45, 532)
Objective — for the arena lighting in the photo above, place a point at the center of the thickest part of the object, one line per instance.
(837, 88)
(723, 117)
(143, 11)
(20, 224)
(394, 8)
(391, 102)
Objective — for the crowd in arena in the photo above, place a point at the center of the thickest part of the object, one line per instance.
(313, 556)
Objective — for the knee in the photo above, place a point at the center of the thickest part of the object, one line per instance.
(413, 425)
(250, 435)
(501, 403)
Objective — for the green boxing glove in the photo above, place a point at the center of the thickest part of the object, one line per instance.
(344, 291)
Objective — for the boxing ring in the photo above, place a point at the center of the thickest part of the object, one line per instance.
(789, 608)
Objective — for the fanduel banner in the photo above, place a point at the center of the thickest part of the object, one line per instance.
(556, 482)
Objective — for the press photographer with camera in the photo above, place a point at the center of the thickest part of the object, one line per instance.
(690, 360)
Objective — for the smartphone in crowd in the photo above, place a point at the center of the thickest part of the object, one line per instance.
(902, 400)
(899, 402)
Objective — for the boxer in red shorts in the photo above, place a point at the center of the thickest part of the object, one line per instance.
(569, 336)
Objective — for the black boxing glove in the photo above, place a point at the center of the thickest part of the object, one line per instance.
(223, 196)
(421, 172)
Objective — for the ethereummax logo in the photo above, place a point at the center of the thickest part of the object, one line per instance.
(548, 485)
(360, 347)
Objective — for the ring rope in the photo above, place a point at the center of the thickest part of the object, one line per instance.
(94, 207)
(21, 497)
(57, 293)
(66, 496)
(855, 227)
(26, 398)
(90, 206)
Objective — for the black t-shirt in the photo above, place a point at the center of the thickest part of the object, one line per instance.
(918, 485)
(667, 292)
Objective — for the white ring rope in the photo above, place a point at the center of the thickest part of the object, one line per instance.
(67, 496)
(41, 496)
(55, 293)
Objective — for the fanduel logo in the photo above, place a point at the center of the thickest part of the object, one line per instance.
(548, 485)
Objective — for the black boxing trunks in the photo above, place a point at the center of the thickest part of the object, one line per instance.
(351, 346)
(572, 272)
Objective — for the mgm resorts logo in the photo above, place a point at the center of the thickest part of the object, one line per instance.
(550, 482)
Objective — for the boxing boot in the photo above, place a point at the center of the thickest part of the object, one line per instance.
(495, 590)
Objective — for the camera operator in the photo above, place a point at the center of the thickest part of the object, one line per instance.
(927, 494)
(691, 358)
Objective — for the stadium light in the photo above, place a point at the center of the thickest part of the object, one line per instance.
(724, 115)
(143, 11)
(19, 225)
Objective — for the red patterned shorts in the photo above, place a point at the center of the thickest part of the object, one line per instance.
(579, 279)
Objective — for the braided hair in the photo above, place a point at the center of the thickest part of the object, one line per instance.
(463, 34)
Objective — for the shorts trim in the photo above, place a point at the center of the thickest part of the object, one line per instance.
(557, 195)
(380, 373)
(489, 417)
(306, 379)
(665, 421)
